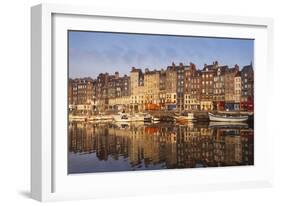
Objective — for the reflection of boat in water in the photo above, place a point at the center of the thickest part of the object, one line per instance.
(225, 118)
(127, 125)
(213, 124)
(122, 125)
(188, 125)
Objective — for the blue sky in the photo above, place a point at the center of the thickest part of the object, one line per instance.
(91, 53)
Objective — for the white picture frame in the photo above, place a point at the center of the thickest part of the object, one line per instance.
(49, 180)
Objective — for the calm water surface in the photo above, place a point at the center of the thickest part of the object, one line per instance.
(105, 147)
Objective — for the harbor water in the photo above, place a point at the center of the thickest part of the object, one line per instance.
(108, 147)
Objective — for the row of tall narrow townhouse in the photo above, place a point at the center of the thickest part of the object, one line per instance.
(178, 87)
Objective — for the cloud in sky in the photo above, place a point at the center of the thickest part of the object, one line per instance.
(91, 53)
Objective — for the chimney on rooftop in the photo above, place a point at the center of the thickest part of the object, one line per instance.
(116, 75)
(192, 66)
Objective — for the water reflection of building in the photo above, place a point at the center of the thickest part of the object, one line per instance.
(247, 139)
(168, 146)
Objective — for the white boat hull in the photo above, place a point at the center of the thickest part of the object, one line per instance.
(220, 118)
(129, 118)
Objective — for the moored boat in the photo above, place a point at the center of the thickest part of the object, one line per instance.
(155, 119)
(123, 117)
(227, 118)
(147, 118)
(77, 118)
(103, 117)
(189, 118)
